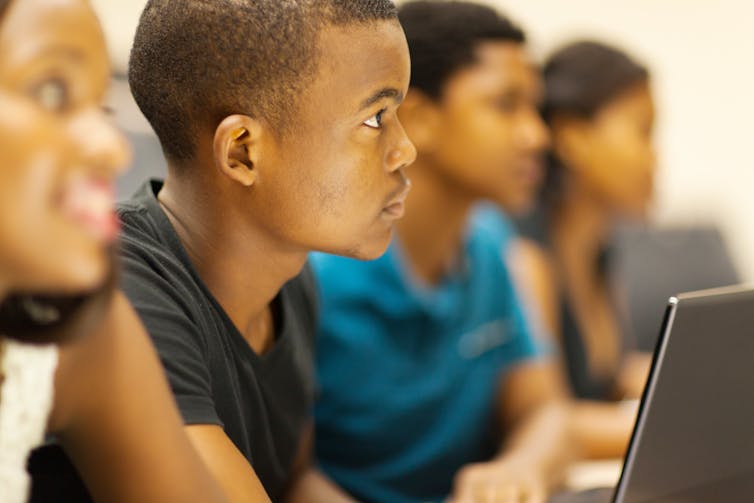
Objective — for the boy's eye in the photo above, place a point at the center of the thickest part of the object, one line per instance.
(375, 121)
(507, 105)
(52, 95)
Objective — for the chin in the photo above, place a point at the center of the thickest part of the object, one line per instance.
(367, 249)
(514, 205)
(79, 275)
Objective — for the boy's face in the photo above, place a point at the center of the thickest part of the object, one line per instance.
(489, 138)
(337, 182)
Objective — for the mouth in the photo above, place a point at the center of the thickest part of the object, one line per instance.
(531, 170)
(89, 202)
(396, 206)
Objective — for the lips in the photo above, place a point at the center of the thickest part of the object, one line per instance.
(396, 207)
(531, 170)
(89, 203)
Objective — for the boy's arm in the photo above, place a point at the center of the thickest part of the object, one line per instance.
(117, 420)
(310, 485)
(537, 448)
(227, 464)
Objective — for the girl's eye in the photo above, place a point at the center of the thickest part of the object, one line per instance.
(52, 95)
(375, 121)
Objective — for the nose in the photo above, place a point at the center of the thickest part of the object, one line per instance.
(534, 134)
(403, 153)
(101, 145)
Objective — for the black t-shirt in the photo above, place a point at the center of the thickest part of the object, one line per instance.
(262, 402)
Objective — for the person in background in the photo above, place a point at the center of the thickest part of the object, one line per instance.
(74, 360)
(600, 110)
(432, 383)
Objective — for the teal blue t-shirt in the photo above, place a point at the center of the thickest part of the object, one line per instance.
(409, 374)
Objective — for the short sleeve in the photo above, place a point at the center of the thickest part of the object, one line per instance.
(163, 309)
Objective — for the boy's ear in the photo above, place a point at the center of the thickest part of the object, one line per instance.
(421, 118)
(236, 148)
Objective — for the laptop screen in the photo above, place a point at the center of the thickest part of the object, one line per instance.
(694, 439)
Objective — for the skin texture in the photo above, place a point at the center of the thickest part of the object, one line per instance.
(254, 202)
(113, 411)
(53, 134)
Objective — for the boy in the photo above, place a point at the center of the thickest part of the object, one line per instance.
(278, 121)
(424, 359)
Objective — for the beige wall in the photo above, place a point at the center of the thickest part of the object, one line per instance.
(702, 56)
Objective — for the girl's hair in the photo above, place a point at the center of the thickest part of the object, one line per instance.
(582, 77)
(44, 318)
(579, 80)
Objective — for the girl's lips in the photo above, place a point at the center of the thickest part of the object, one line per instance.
(90, 203)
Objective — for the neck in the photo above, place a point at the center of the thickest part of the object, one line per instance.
(580, 227)
(242, 264)
(432, 230)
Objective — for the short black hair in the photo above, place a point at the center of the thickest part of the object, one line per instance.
(194, 62)
(443, 37)
(582, 77)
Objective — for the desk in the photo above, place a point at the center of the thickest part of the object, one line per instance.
(590, 474)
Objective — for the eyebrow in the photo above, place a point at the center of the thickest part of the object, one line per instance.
(388, 92)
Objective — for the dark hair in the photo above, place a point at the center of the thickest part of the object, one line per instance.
(443, 37)
(47, 318)
(583, 76)
(3, 5)
(194, 62)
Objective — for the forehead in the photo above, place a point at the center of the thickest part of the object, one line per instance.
(34, 29)
(636, 99)
(500, 67)
(357, 61)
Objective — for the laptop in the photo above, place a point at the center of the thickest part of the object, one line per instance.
(693, 441)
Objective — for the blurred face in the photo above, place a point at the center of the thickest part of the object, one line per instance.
(58, 153)
(338, 183)
(612, 157)
(489, 138)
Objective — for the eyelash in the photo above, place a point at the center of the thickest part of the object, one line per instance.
(377, 120)
(52, 95)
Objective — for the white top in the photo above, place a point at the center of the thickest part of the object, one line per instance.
(25, 402)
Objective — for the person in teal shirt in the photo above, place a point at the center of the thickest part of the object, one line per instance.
(431, 381)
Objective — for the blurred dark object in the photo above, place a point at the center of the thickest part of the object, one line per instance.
(651, 265)
(54, 478)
